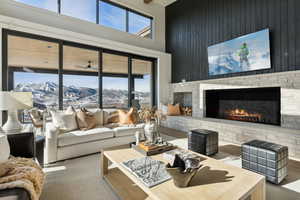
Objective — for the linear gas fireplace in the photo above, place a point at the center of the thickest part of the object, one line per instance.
(258, 105)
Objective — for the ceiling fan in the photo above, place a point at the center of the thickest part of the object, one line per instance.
(89, 66)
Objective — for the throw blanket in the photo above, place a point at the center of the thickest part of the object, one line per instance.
(22, 173)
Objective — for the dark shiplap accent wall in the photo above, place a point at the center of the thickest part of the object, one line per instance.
(193, 25)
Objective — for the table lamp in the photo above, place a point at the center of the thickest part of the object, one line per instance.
(4, 148)
(12, 102)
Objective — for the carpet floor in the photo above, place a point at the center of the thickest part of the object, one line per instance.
(79, 179)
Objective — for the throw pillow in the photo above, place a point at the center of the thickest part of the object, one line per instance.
(70, 110)
(111, 117)
(36, 117)
(98, 114)
(174, 110)
(64, 121)
(126, 117)
(85, 120)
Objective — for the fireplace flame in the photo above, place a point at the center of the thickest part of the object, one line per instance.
(243, 115)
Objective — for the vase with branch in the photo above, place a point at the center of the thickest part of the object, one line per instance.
(152, 118)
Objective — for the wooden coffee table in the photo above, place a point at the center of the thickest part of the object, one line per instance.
(214, 181)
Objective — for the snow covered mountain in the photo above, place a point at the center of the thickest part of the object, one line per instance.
(46, 95)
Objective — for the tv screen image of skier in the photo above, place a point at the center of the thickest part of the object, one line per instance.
(246, 53)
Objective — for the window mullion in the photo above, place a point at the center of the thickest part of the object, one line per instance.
(129, 81)
(100, 76)
(60, 75)
(59, 6)
(97, 12)
(127, 20)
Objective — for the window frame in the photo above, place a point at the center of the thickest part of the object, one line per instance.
(127, 15)
(97, 13)
(7, 72)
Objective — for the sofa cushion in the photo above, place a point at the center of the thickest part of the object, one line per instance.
(128, 130)
(98, 114)
(85, 119)
(110, 116)
(78, 136)
(64, 120)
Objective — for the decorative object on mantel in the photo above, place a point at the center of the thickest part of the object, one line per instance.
(183, 170)
(12, 102)
(149, 171)
(186, 110)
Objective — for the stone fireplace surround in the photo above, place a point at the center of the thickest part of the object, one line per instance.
(239, 132)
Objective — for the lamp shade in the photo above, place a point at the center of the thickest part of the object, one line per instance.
(11, 101)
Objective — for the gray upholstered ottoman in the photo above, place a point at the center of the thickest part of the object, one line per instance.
(203, 141)
(266, 158)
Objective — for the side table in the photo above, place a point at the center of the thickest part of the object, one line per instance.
(39, 149)
(35, 143)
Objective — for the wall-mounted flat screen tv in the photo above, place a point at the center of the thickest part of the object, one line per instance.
(246, 53)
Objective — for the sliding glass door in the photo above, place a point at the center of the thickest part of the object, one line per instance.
(61, 73)
(33, 67)
(115, 81)
(80, 77)
(142, 74)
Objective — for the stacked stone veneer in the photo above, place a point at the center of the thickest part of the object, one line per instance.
(238, 132)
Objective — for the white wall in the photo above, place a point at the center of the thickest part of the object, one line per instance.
(18, 10)
(164, 60)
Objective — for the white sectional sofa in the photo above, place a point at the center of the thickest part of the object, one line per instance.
(62, 146)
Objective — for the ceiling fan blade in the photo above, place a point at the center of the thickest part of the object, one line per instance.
(26, 69)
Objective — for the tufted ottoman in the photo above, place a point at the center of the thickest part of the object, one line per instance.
(203, 141)
(266, 158)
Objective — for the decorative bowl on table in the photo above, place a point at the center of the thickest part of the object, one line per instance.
(183, 170)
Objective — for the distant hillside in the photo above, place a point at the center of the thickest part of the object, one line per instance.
(46, 95)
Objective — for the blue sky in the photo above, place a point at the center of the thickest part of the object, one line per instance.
(110, 16)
